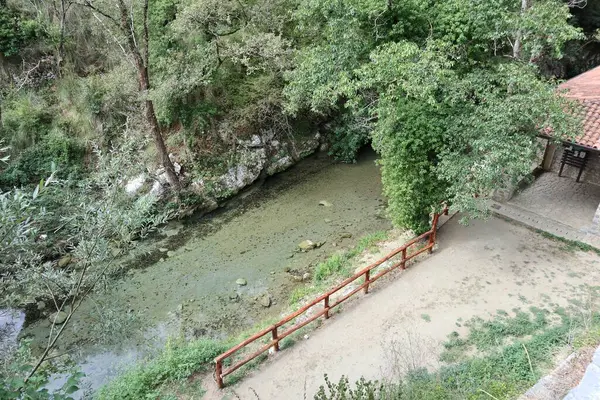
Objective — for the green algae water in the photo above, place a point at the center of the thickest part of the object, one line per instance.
(217, 275)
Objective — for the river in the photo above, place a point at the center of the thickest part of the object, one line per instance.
(183, 280)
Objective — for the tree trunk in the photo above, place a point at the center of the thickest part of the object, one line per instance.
(61, 40)
(518, 38)
(141, 65)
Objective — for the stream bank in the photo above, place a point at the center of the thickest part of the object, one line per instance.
(212, 276)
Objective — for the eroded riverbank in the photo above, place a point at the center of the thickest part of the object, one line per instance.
(191, 290)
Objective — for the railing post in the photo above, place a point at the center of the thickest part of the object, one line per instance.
(403, 262)
(275, 338)
(367, 280)
(219, 373)
(326, 306)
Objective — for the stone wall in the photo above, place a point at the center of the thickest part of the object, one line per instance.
(591, 173)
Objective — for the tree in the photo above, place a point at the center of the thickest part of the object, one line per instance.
(138, 47)
(455, 98)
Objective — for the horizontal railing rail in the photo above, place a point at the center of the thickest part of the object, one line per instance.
(327, 302)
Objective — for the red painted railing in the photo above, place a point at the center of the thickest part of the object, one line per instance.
(325, 300)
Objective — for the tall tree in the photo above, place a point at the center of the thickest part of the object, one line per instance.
(454, 97)
(137, 45)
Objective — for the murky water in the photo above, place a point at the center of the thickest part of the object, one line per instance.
(191, 290)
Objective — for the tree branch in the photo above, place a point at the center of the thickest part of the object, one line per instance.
(146, 35)
(89, 5)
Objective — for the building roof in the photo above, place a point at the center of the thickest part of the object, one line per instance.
(585, 88)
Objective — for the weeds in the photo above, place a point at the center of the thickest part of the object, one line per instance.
(336, 266)
(510, 353)
(177, 362)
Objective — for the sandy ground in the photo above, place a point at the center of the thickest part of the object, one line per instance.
(476, 271)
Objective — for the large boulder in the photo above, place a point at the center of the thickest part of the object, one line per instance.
(247, 171)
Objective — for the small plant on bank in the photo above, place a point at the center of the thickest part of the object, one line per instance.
(516, 354)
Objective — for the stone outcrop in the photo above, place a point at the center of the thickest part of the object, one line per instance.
(255, 158)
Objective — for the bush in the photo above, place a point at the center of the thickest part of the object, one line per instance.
(347, 138)
(178, 361)
(25, 119)
(36, 161)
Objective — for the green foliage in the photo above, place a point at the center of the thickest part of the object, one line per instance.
(25, 119)
(455, 113)
(492, 333)
(340, 263)
(16, 31)
(14, 370)
(36, 161)
(409, 138)
(177, 362)
(333, 265)
(500, 370)
(347, 137)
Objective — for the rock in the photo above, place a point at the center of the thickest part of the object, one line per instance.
(280, 164)
(287, 269)
(234, 297)
(161, 260)
(179, 308)
(40, 305)
(345, 235)
(272, 272)
(163, 249)
(254, 141)
(325, 203)
(241, 282)
(291, 255)
(157, 189)
(306, 245)
(305, 277)
(64, 261)
(265, 300)
(327, 220)
(170, 253)
(251, 164)
(177, 168)
(296, 278)
(135, 184)
(171, 232)
(58, 317)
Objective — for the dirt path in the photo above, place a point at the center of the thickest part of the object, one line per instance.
(476, 271)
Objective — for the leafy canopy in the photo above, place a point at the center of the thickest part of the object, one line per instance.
(450, 90)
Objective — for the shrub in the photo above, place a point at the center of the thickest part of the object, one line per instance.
(178, 361)
(36, 161)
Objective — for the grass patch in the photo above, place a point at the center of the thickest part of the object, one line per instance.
(174, 364)
(338, 265)
(510, 354)
(426, 317)
(569, 245)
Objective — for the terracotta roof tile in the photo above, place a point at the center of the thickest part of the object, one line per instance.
(586, 89)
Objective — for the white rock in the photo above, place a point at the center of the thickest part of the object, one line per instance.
(157, 189)
(177, 168)
(135, 184)
(280, 165)
(246, 172)
(255, 141)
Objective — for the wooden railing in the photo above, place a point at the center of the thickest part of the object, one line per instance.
(327, 301)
